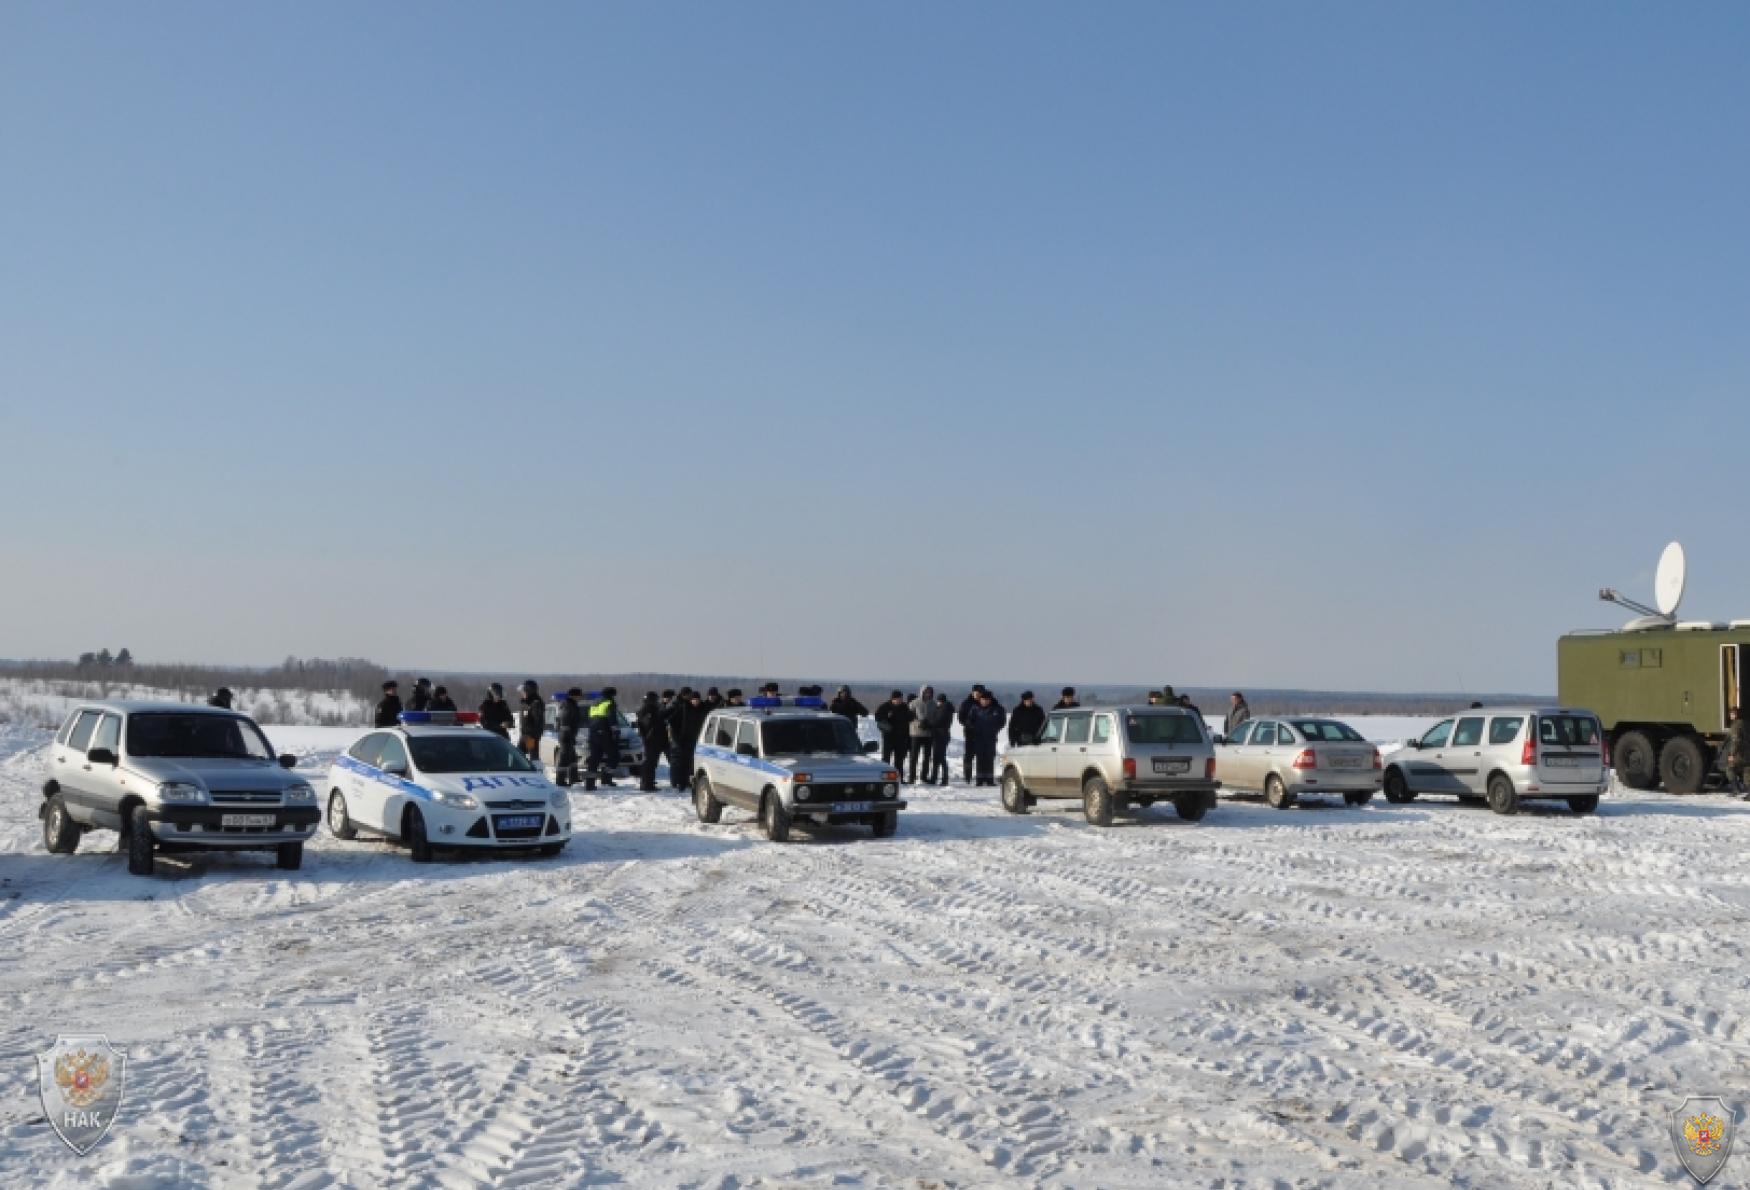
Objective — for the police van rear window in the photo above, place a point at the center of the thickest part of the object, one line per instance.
(1162, 729)
(1568, 730)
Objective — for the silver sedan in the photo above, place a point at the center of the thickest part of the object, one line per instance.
(1286, 759)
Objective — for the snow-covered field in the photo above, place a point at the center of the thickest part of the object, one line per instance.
(1386, 996)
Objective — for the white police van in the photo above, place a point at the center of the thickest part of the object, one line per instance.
(789, 760)
(441, 781)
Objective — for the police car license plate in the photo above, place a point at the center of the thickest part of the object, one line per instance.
(246, 820)
(1171, 765)
(851, 807)
(517, 822)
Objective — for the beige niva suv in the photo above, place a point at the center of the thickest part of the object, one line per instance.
(1115, 759)
(173, 777)
(1506, 755)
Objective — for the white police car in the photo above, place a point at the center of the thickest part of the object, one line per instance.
(440, 780)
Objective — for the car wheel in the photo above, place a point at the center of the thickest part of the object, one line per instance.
(1637, 760)
(1397, 790)
(1583, 805)
(60, 832)
(1014, 793)
(139, 837)
(1359, 798)
(289, 856)
(339, 821)
(774, 818)
(705, 803)
(418, 845)
(1502, 797)
(1097, 801)
(1191, 807)
(886, 823)
(1276, 793)
(1682, 764)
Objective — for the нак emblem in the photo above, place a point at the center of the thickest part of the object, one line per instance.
(1702, 1131)
(81, 1079)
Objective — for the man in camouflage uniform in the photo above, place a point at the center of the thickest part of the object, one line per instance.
(1737, 752)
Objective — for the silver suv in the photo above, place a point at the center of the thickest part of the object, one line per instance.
(173, 777)
(1115, 759)
(1505, 755)
(791, 761)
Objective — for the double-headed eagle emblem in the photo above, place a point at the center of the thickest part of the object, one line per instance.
(81, 1075)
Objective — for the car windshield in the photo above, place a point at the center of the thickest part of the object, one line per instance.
(1572, 730)
(230, 737)
(796, 737)
(1162, 729)
(474, 753)
(1327, 731)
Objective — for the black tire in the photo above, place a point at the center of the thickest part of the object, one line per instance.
(60, 832)
(705, 803)
(1583, 805)
(1682, 764)
(1637, 760)
(1014, 793)
(1276, 793)
(1097, 801)
(886, 823)
(1191, 806)
(289, 857)
(418, 844)
(139, 839)
(1503, 798)
(551, 849)
(1397, 790)
(774, 818)
(339, 820)
(1359, 798)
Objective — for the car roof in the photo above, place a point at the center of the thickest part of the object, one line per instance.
(1130, 708)
(1473, 712)
(777, 713)
(128, 706)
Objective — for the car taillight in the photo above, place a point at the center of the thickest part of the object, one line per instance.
(1377, 762)
(1528, 754)
(1604, 748)
(1129, 769)
(1209, 769)
(1306, 760)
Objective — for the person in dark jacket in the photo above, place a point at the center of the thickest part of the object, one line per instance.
(967, 706)
(568, 723)
(982, 727)
(941, 721)
(420, 699)
(689, 723)
(921, 739)
(1027, 721)
(221, 698)
(666, 707)
(1068, 701)
(713, 699)
(389, 706)
(653, 730)
(441, 700)
(532, 724)
(845, 703)
(894, 718)
(604, 740)
(1237, 713)
(495, 713)
(734, 699)
(1185, 702)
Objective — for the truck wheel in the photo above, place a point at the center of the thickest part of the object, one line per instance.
(1682, 764)
(139, 845)
(1191, 806)
(1637, 760)
(418, 845)
(774, 818)
(60, 832)
(1397, 790)
(886, 823)
(1359, 798)
(1014, 793)
(289, 857)
(1502, 798)
(339, 821)
(705, 803)
(1097, 801)
(1583, 805)
(1276, 793)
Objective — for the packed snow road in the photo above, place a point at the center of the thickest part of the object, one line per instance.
(1392, 995)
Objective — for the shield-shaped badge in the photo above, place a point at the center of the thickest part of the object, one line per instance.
(1702, 1131)
(81, 1079)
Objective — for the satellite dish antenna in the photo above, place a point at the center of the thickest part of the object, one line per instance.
(1668, 583)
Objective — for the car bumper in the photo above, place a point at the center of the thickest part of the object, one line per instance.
(205, 826)
(481, 830)
(828, 811)
(1366, 781)
(1168, 787)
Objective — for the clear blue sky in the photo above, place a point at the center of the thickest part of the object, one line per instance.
(1339, 345)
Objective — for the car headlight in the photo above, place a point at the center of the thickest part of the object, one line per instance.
(181, 793)
(300, 792)
(461, 801)
(803, 793)
(890, 791)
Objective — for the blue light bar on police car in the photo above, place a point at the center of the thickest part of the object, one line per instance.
(766, 701)
(439, 718)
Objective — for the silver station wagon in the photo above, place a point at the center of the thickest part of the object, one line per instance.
(1115, 759)
(1287, 759)
(1505, 755)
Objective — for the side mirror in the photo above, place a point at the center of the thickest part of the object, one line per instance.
(870, 747)
(288, 761)
(1218, 738)
(1416, 744)
(101, 756)
(747, 750)
(396, 770)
